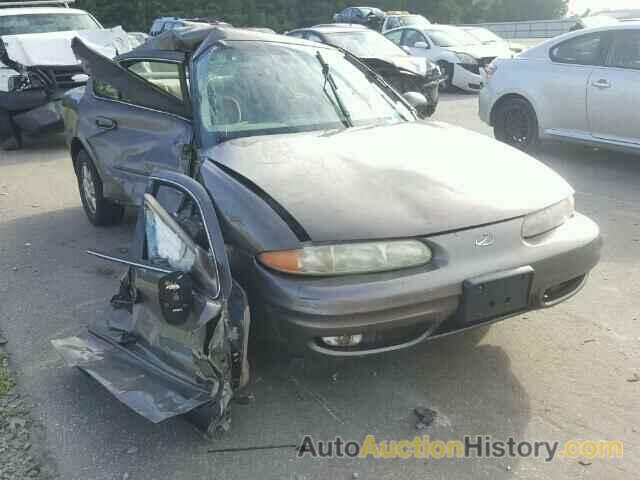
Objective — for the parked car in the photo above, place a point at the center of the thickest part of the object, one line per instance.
(487, 37)
(397, 67)
(370, 17)
(285, 179)
(594, 21)
(403, 19)
(165, 24)
(460, 56)
(583, 86)
(37, 65)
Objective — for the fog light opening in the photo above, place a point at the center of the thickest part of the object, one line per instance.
(343, 341)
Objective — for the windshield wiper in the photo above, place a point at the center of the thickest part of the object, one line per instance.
(337, 103)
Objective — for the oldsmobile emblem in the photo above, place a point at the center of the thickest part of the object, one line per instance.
(486, 240)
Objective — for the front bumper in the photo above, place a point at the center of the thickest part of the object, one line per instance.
(397, 310)
(32, 111)
(466, 80)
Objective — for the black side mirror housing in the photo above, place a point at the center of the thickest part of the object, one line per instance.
(419, 102)
(176, 297)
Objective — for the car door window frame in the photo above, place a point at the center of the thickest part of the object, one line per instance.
(112, 72)
(182, 75)
(393, 32)
(410, 31)
(216, 252)
(612, 47)
(605, 45)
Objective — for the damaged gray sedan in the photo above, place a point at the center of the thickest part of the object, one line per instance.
(284, 178)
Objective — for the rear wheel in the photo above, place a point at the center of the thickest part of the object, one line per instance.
(9, 132)
(516, 124)
(99, 210)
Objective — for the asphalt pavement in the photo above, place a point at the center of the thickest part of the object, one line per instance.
(556, 375)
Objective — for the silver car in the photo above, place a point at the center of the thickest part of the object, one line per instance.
(582, 87)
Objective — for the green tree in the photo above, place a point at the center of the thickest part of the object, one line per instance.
(282, 15)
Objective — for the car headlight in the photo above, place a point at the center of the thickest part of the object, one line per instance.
(349, 258)
(548, 219)
(6, 79)
(466, 59)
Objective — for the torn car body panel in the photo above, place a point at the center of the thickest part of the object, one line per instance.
(143, 92)
(36, 71)
(176, 336)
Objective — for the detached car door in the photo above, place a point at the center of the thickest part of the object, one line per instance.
(138, 118)
(613, 92)
(177, 342)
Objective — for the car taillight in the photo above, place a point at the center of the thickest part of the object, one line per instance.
(491, 69)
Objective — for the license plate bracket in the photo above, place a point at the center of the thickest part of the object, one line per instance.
(496, 295)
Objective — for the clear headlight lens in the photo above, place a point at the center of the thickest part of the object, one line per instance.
(351, 258)
(546, 220)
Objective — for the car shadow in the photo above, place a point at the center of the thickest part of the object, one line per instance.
(35, 150)
(466, 380)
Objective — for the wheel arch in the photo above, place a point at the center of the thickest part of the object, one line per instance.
(508, 96)
(75, 147)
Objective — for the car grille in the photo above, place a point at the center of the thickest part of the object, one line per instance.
(62, 77)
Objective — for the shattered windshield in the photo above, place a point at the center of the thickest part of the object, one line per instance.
(365, 44)
(259, 88)
(45, 23)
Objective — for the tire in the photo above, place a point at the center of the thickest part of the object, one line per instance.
(11, 137)
(100, 211)
(447, 84)
(12, 143)
(516, 124)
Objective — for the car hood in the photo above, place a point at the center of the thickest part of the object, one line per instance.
(403, 180)
(418, 65)
(484, 51)
(54, 49)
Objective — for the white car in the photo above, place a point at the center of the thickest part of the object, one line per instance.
(37, 64)
(583, 86)
(461, 56)
(487, 37)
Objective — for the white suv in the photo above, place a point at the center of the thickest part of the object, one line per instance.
(37, 65)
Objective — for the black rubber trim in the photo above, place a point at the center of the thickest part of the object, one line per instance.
(282, 212)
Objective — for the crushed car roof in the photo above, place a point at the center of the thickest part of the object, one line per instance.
(189, 39)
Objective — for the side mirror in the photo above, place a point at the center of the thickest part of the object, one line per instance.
(175, 292)
(406, 49)
(424, 45)
(419, 102)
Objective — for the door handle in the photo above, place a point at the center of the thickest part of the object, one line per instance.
(106, 123)
(602, 84)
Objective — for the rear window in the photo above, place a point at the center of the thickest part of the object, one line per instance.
(45, 23)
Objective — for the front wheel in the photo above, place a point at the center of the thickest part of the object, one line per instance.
(446, 85)
(11, 136)
(100, 211)
(516, 124)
